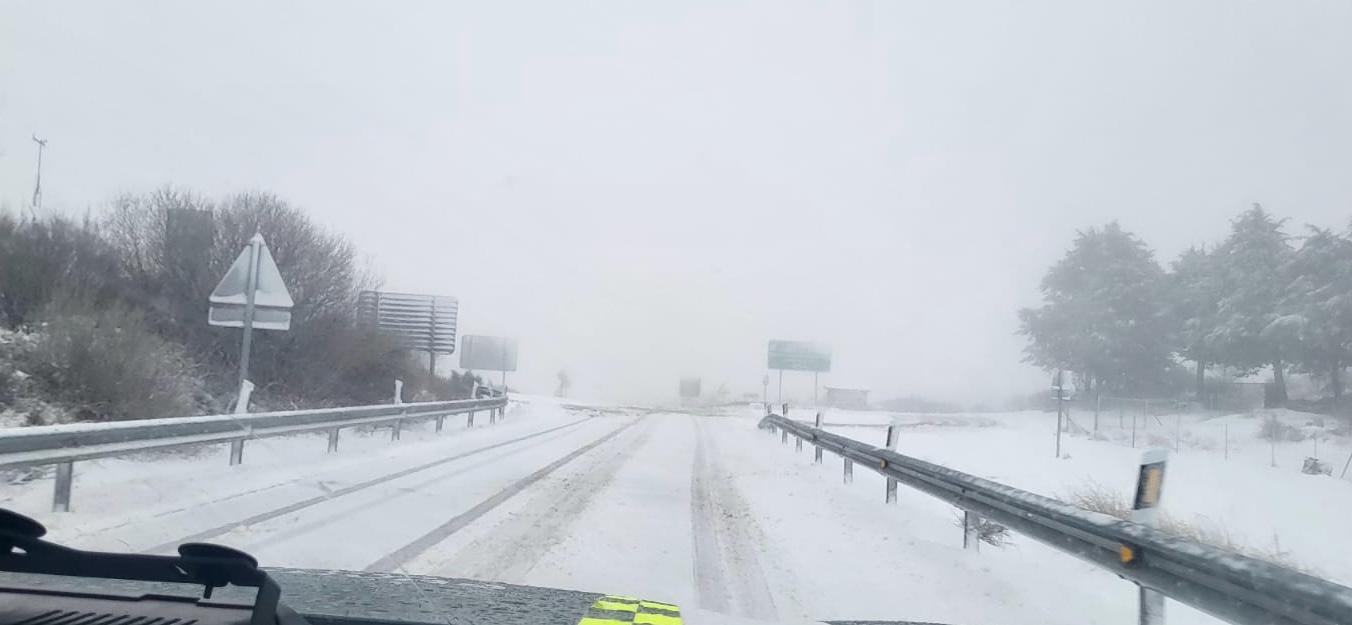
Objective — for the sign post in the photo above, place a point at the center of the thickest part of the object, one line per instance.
(1145, 510)
(251, 295)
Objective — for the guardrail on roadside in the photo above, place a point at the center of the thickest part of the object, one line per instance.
(62, 445)
(1226, 585)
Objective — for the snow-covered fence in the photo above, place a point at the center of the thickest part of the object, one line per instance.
(1229, 586)
(63, 445)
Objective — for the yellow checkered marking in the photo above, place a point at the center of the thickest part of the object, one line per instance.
(621, 610)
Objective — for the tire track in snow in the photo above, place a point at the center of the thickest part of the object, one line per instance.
(399, 557)
(729, 578)
(515, 546)
(304, 530)
(305, 503)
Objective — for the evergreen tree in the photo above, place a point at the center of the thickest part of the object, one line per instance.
(1252, 284)
(1318, 307)
(1103, 316)
(1193, 297)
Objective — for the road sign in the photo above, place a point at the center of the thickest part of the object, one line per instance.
(488, 353)
(799, 356)
(419, 322)
(690, 388)
(251, 295)
(252, 281)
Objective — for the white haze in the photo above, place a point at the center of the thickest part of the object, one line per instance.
(640, 191)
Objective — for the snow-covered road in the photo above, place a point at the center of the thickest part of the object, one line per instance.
(699, 509)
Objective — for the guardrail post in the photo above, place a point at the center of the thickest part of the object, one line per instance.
(891, 494)
(797, 444)
(784, 436)
(441, 420)
(65, 474)
(817, 455)
(236, 451)
(492, 416)
(394, 431)
(469, 421)
(333, 440)
(971, 530)
(849, 471)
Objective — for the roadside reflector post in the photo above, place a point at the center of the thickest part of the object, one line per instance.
(971, 530)
(891, 494)
(65, 475)
(333, 440)
(849, 471)
(1145, 510)
(236, 451)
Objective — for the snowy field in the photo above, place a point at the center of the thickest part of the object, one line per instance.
(704, 509)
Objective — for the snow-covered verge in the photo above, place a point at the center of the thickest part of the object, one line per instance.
(1224, 479)
(118, 501)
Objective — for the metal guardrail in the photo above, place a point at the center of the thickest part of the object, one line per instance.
(63, 445)
(1229, 586)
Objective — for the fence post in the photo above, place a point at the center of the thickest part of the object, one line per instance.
(891, 495)
(1098, 403)
(817, 455)
(849, 471)
(65, 474)
(333, 440)
(971, 530)
(236, 451)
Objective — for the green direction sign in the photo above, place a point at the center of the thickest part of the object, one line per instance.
(799, 356)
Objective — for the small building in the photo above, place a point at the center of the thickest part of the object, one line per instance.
(852, 398)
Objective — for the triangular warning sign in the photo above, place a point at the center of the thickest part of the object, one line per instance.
(272, 302)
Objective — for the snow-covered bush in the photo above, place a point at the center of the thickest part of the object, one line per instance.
(105, 364)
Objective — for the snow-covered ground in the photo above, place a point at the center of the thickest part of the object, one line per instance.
(700, 509)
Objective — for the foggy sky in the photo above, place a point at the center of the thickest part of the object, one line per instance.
(641, 191)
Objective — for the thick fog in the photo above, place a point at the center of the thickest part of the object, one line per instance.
(642, 191)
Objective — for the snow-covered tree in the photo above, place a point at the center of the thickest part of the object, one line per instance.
(1317, 310)
(1252, 285)
(1103, 316)
(1193, 297)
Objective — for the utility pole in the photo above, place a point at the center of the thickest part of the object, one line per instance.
(37, 184)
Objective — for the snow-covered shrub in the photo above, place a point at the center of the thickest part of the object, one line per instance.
(1274, 430)
(107, 365)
